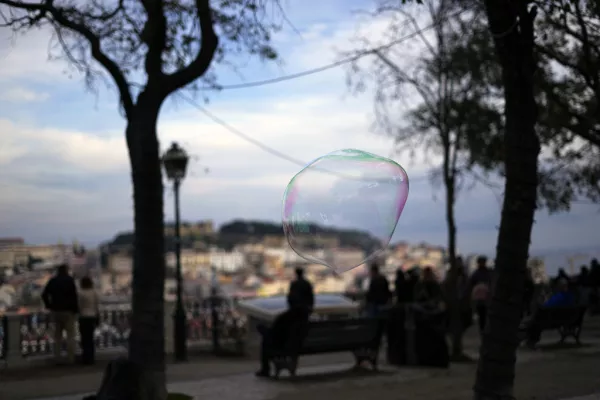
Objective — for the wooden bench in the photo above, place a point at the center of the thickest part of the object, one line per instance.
(567, 320)
(361, 336)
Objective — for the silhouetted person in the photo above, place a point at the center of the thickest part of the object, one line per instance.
(595, 273)
(301, 295)
(401, 287)
(583, 279)
(460, 314)
(479, 288)
(563, 297)
(89, 314)
(560, 275)
(378, 294)
(290, 325)
(60, 297)
(428, 291)
(528, 292)
(584, 287)
(411, 283)
(595, 286)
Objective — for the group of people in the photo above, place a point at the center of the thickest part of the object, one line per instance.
(424, 288)
(585, 286)
(459, 295)
(70, 306)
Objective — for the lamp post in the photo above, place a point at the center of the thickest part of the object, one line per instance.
(175, 162)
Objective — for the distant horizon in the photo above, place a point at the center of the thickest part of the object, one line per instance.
(547, 252)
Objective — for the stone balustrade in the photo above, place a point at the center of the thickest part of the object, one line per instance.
(25, 338)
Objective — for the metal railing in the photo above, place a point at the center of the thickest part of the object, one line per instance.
(37, 331)
(37, 328)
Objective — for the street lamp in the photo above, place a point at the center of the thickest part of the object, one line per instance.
(175, 162)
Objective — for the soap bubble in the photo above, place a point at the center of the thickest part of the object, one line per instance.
(358, 194)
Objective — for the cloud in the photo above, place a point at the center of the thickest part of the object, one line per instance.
(26, 57)
(64, 170)
(29, 146)
(22, 95)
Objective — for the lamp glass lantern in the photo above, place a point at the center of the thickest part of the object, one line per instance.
(175, 162)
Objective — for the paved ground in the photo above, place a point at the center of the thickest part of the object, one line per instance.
(551, 373)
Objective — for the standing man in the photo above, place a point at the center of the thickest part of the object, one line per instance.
(378, 294)
(60, 297)
(301, 295)
(291, 324)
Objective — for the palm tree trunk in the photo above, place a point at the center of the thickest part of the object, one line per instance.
(512, 28)
(146, 342)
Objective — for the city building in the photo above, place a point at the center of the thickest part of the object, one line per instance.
(537, 268)
(186, 229)
(14, 252)
(228, 262)
(9, 242)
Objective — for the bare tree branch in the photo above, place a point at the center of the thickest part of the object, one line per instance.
(201, 62)
(58, 14)
(402, 77)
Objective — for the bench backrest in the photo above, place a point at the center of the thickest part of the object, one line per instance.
(342, 334)
(555, 317)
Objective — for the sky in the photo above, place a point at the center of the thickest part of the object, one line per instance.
(63, 161)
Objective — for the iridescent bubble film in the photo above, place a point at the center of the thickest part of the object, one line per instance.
(343, 203)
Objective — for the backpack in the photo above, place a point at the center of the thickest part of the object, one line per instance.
(480, 292)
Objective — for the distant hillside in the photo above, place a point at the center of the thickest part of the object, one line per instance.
(240, 231)
(348, 238)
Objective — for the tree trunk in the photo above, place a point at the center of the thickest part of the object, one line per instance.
(146, 342)
(514, 48)
(451, 221)
(453, 300)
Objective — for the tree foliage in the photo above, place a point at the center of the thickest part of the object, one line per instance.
(432, 101)
(419, 96)
(568, 117)
(568, 47)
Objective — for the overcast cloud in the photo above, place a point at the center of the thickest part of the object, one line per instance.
(63, 162)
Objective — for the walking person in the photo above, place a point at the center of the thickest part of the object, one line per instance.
(89, 313)
(60, 297)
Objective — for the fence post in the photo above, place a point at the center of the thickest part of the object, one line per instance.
(214, 315)
(13, 356)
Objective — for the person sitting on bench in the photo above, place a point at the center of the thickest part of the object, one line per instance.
(294, 321)
(563, 297)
